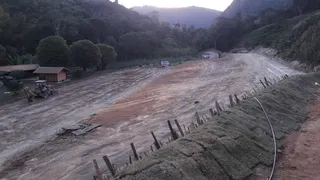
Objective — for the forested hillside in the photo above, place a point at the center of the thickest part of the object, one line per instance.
(228, 31)
(188, 16)
(254, 7)
(295, 39)
(23, 23)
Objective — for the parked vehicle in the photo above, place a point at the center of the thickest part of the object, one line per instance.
(205, 56)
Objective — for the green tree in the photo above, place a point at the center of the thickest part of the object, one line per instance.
(139, 44)
(108, 55)
(13, 85)
(2, 56)
(85, 54)
(53, 51)
(24, 59)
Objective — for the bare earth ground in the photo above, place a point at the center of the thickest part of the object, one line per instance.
(300, 158)
(128, 104)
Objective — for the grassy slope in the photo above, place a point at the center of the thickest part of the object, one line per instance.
(230, 146)
(295, 39)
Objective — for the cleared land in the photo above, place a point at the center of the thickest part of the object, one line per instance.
(128, 104)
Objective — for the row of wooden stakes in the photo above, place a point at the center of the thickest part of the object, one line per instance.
(233, 101)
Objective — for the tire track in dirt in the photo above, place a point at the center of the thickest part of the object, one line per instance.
(24, 126)
(130, 119)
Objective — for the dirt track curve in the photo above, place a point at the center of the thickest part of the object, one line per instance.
(128, 104)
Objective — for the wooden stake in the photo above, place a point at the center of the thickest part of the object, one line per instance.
(173, 132)
(219, 109)
(160, 143)
(266, 81)
(254, 89)
(130, 160)
(262, 84)
(136, 157)
(248, 93)
(151, 147)
(211, 112)
(179, 127)
(98, 171)
(231, 101)
(185, 129)
(156, 142)
(237, 99)
(198, 118)
(109, 165)
(193, 125)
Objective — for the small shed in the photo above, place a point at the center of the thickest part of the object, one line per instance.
(52, 74)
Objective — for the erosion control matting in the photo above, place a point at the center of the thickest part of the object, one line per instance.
(232, 145)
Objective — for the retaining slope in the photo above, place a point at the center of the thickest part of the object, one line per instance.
(230, 146)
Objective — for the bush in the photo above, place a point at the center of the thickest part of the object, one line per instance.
(3, 53)
(13, 85)
(17, 74)
(77, 74)
(85, 54)
(108, 55)
(53, 51)
(24, 59)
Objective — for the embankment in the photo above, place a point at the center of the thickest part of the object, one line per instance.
(231, 145)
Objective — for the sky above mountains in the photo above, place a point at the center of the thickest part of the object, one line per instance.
(220, 5)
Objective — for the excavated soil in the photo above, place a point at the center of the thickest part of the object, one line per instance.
(128, 104)
(233, 145)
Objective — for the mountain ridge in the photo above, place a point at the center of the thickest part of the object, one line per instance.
(254, 7)
(199, 17)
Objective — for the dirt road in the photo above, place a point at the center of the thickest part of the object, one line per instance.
(128, 104)
(299, 158)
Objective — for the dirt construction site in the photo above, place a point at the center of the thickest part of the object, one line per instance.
(127, 105)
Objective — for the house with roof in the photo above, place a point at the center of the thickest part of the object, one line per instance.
(52, 74)
(28, 69)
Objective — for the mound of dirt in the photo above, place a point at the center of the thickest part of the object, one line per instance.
(233, 144)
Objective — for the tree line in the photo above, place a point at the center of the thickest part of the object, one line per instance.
(24, 23)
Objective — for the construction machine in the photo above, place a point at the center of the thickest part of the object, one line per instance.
(41, 90)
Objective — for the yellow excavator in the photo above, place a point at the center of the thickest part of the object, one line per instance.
(41, 90)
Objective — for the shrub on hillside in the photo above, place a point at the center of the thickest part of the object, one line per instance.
(13, 85)
(108, 55)
(85, 54)
(2, 56)
(53, 51)
(24, 59)
(78, 73)
(17, 74)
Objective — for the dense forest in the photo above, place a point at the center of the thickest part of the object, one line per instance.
(24, 23)
(32, 29)
(228, 31)
(254, 7)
